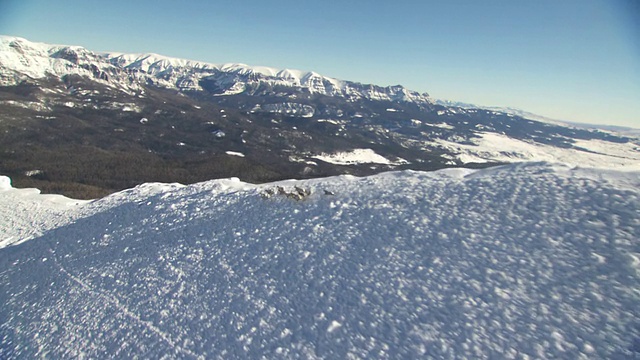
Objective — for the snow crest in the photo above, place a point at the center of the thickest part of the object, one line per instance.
(27, 214)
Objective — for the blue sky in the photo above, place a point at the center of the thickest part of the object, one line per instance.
(576, 60)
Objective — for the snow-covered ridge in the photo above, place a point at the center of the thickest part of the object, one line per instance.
(27, 214)
(502, 110)
(521, 261)
(21, 59)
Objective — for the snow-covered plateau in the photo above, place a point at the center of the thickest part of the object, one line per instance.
(524, 261)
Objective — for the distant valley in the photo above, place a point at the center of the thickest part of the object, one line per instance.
(86, 124)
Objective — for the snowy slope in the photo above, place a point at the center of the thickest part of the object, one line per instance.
(522, 261)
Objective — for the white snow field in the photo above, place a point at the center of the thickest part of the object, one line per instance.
(526, 261)
(357, 156)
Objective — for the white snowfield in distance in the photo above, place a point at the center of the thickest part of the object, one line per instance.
(533, 260)
(234, 153)
(357, 156)
(491, 147)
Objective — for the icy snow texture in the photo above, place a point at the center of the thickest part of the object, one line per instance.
(530, 260)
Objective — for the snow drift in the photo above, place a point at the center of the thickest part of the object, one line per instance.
(25, 213)
(521, 261)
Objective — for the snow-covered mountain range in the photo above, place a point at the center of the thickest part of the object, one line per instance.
(521, 261)
(70, 118)
(24, 60)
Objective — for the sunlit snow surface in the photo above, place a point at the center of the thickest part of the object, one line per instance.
(529, 260)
